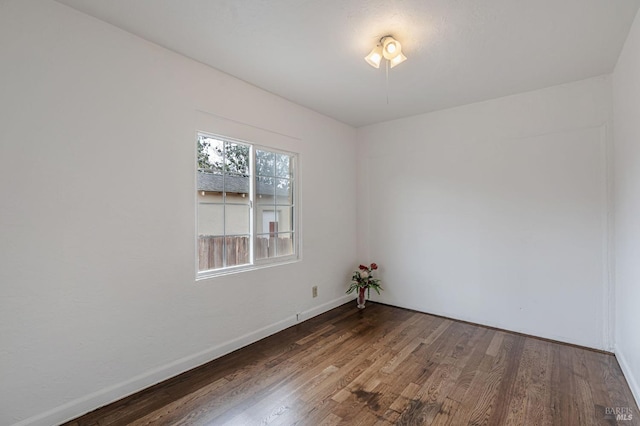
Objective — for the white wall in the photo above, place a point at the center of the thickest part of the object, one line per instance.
(98, 292)
(495, 212)
(626, 107)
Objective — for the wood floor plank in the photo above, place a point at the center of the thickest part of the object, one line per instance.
(538, 400)
(480, 398)
(447, 413)
(495, 344)
(279, 398)
(515, 344)
(409, 392)
(472, 366)
(387, 366)
(330, 420)
(516, 410)
(173, 412)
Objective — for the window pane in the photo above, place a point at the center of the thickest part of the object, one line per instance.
(210, 252)
(284, 191)
(210, 154)
(265, 163)
(236, 158)
(237, 250)
(261, 247)
(274, 219)
(209, 182)
(285, 218)
(265, 190)
(266, 220)
(269, 246)
(236, 219)
(236, 187)
(283, 165)
(210, 216)
(284, 244)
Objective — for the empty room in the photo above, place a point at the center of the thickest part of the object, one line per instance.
(339, 212)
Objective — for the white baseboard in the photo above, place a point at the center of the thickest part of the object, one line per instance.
(305, 315)
(631, 380)
(87, 403)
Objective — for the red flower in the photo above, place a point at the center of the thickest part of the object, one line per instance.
(362, 267)
(374, 266)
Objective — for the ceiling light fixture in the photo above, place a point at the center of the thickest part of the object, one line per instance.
(388, 48)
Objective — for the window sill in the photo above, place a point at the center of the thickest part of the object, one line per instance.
(206, 275)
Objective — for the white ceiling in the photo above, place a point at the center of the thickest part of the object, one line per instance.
(311, 51)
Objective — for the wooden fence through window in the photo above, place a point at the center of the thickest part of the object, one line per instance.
(210, 249)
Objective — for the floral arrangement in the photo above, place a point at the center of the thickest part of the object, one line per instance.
(363, 278)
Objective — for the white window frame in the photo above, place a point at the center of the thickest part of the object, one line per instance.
(253, 212)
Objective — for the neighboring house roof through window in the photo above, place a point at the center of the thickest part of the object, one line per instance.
(211, 182)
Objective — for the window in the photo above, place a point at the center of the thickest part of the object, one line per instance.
(245, 202)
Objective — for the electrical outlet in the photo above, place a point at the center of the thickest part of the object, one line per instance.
(314, 291)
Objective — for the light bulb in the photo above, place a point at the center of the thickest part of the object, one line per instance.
(391, 47)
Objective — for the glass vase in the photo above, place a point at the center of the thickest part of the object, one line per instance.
(361, 297)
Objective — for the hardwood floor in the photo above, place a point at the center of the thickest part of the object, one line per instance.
(385, 365)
